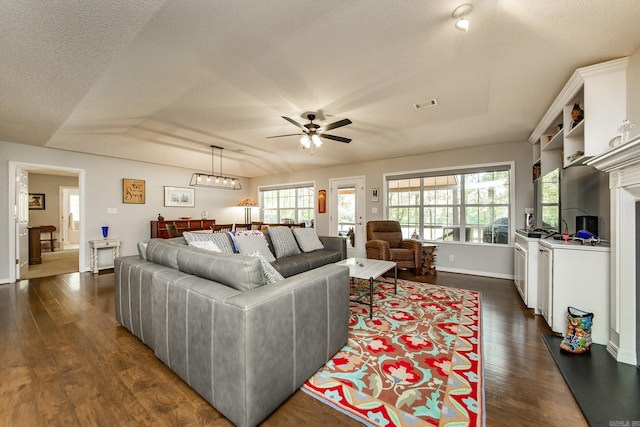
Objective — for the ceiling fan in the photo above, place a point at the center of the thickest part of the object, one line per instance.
(312, 132)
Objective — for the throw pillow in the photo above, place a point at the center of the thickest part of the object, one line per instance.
(247, 244)
(222, 240)
(308, 239)
(208, 245)
(271, 275)
(283, 241)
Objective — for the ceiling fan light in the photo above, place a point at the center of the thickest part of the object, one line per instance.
(316, 140)
(305, 141)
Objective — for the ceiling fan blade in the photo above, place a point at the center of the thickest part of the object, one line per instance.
(289, 134)
(335, 138)
(293, 122)
(337, 124)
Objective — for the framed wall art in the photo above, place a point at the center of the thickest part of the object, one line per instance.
(133, 191)
(322, 201)
(374, 195)
(180, 196)
(36, 202)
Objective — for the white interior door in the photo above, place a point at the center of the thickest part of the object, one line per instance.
(21, 214)
(348, 213)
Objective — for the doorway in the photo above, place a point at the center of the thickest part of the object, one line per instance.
(69, 217)
(18, 246)
(348, 213)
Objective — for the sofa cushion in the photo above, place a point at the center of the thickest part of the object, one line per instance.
(271, 275)
(208, 245)
(222, 240)
(142, 249)
(321, 257)
(283, 241)
(234, 270)
(163, 252)
(291, 265)
(307, 239)
(247, 244)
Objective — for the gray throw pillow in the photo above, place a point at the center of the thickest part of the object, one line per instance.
(308, 239)
(271, 275)
(248, 244)
(283, 241)
(222, 240)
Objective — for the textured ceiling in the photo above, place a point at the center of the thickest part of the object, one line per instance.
(164, 80)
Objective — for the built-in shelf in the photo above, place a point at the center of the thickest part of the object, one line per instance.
(577, 130)
(555, 143)
(600, 92)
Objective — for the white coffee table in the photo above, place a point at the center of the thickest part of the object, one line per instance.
(364, 268)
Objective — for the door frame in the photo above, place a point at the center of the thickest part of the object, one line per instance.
(63, 220)
(360, 184)
(14, 167)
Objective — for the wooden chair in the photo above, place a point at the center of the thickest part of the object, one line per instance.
(172, 231)
(221, 228)
(385, 242)
(49, 241)
(241, 227)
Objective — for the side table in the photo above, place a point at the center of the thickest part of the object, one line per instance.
(429, 259)
(96, 245)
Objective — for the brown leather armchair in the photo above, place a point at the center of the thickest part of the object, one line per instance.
(385, 242)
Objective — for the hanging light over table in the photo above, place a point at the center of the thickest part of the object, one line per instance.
(214, 180)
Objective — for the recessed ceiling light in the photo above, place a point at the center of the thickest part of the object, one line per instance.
(430, 103)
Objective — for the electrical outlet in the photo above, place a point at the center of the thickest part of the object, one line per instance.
(451, 258)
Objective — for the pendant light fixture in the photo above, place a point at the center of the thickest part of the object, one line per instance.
(214, 180)
(460, 14)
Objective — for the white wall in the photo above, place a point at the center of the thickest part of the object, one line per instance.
(468, 258)
(49, 185)
(103, 190)
(633, 92)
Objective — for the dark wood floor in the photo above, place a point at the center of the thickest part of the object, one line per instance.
(64, 360)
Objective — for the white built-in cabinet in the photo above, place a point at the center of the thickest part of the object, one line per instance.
(600, 91)
(574, 275)
(568, 273)
(525, 270)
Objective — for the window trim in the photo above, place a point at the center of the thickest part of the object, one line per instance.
(480, 167)
(288, 186)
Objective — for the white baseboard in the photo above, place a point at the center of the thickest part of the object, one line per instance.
(4, 281)
(476, 273)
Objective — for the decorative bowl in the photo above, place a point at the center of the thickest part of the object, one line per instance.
(185, 217)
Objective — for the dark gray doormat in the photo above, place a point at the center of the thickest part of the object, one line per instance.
(607, 392)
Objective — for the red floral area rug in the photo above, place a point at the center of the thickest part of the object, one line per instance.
(418, 362)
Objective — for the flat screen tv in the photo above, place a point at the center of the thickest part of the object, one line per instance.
(548, 202)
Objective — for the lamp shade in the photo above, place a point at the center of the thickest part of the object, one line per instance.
(247, 203)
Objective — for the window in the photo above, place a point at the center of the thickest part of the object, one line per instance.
(293, 204)
(439, 205)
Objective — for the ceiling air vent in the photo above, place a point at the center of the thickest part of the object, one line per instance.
(428, 104)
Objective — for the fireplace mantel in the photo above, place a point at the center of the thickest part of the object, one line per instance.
(623, 165)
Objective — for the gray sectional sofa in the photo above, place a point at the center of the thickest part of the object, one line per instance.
(242, 345)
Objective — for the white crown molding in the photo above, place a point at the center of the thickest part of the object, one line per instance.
(571, 88)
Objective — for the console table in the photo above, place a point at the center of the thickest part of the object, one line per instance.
(96, 245)
(428, 259)
(159, 228)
